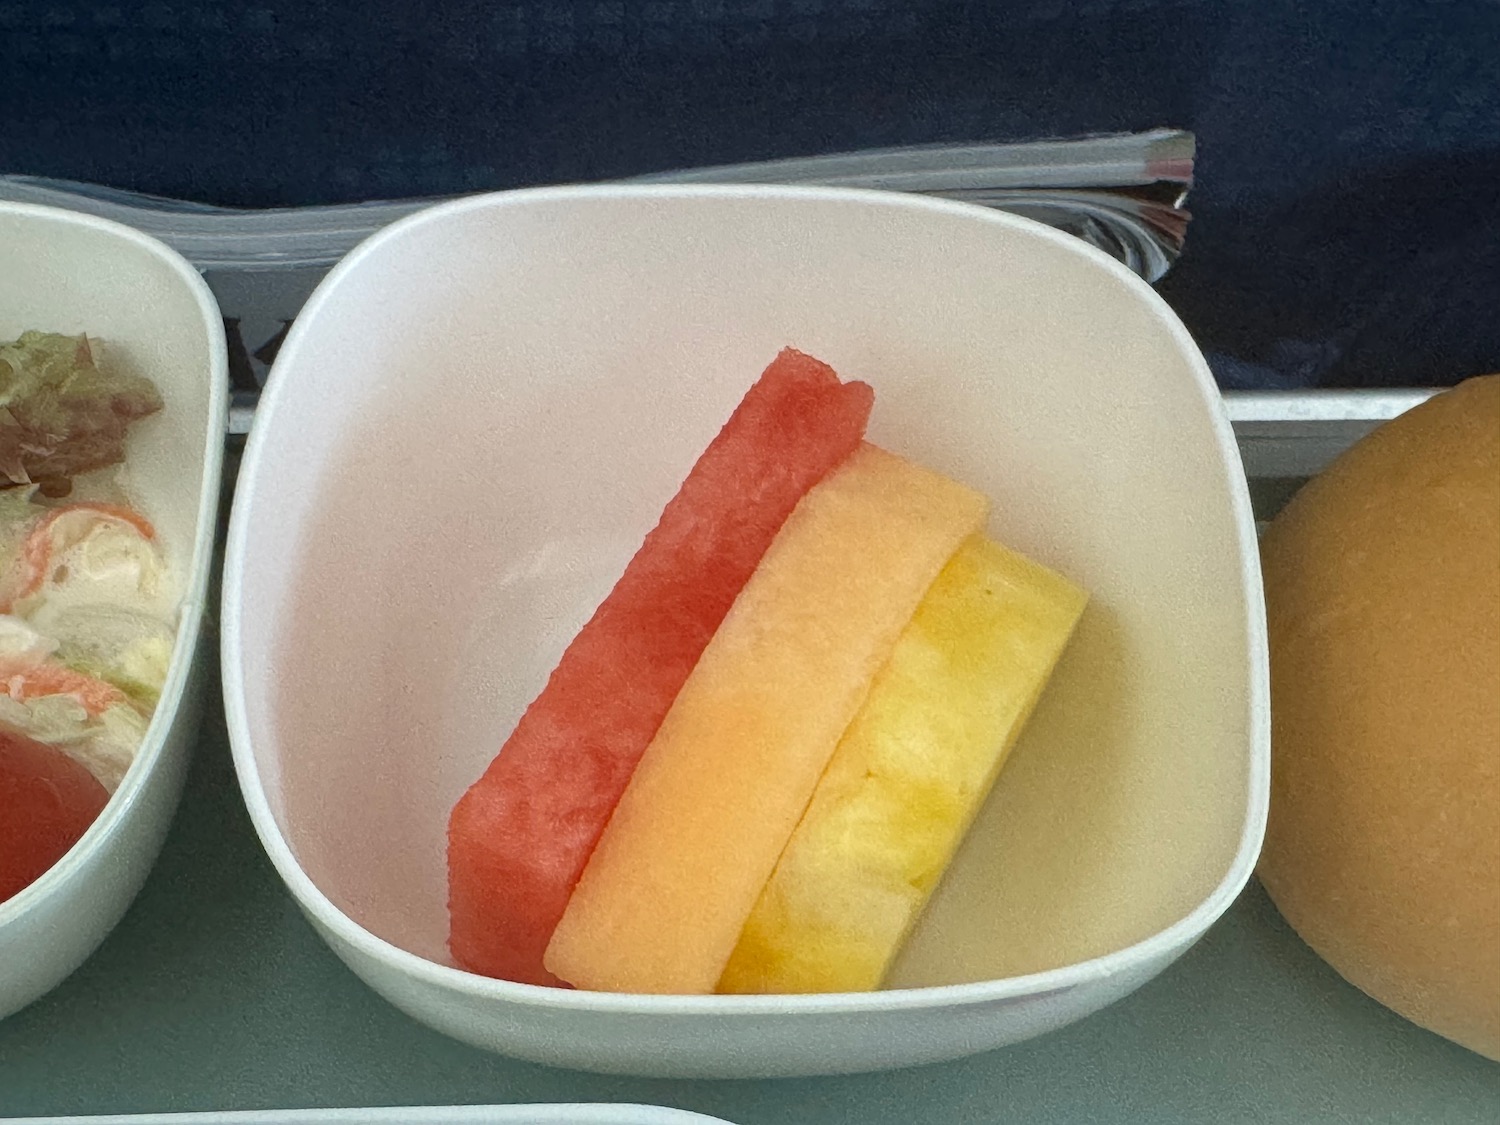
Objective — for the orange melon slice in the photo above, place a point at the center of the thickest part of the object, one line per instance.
(720, 788)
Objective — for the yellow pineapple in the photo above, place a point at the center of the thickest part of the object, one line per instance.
(908, 776)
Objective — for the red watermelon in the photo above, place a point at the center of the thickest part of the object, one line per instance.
(47, 801)
(520, 837)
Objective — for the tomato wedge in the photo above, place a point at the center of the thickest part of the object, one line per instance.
(47, 801)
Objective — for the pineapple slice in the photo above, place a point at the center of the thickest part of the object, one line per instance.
(908, 776)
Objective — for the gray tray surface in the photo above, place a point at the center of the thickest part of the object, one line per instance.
(215, 993)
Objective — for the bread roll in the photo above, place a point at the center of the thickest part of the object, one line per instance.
(1383, 604)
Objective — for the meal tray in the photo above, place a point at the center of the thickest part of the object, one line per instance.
(214, 993)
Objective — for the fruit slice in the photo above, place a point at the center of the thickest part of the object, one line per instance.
(47, 801)
(518, 839)
(718, 792)
(908, 776)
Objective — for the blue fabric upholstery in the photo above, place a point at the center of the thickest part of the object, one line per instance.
(1347, 226)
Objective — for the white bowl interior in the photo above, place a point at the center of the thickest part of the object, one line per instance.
(483, 410)
(151, 313)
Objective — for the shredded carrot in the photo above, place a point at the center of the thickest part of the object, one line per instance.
(32, 681)
(36, 551)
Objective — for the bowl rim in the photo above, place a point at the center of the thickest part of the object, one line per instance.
(518, 1113)
(110, 822)
(1159, 947)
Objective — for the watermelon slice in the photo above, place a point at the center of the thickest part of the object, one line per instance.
(47, 801)
(520, 837)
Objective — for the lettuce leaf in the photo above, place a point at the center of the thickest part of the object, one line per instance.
(105, 745)
(61, 414)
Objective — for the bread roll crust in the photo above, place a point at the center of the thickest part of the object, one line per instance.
(1383, 609)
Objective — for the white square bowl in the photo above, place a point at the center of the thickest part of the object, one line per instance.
(481, 412)
(67, 272)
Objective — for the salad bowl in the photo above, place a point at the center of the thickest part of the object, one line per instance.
(151, 311)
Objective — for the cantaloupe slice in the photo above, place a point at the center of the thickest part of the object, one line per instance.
(697, 832)
(518, 839)
(908, 776)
